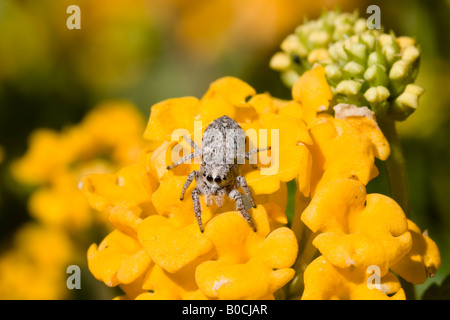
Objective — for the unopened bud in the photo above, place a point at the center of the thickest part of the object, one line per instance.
(333, 73)
(399, 70)
(406, 102)
(348, 87)
(354, 68)
(319, 55)
(280, 61)
(377, 94)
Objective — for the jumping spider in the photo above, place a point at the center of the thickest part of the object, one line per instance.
(219, 170)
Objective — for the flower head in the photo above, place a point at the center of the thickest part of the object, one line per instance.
(143, 202)
(39, 256)
(363, 67)
(332, 159)
(107, 138)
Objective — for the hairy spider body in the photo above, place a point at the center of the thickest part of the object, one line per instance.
(222, 153)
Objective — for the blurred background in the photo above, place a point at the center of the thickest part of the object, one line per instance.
(57, 87)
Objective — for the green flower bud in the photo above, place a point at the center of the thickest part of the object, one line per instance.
(348, 87)
(406, 103)
(365, 67)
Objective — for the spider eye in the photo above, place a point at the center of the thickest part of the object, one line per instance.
(217, 179)
(209, 178)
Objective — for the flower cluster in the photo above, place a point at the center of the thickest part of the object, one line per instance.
(370, 76)
(34, 267)
(363, 67)
(106, 139)
(158, 252)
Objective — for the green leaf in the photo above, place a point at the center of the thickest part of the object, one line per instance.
(438, 292)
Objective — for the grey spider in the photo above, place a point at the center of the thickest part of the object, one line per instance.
(222, 153)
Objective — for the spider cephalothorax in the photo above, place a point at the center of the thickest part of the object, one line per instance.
(222, 153)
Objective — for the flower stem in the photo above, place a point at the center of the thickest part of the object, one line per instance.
(296, 286)
(395, 165)
(398, 183)
(305, 236)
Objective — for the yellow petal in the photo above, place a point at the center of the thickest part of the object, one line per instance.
(136, 264)
(251, 280)
(169, 247)
(250, 265)
(61, 207)
(279, 249)
(180, 285)
(45, 154)
(231, 89)
(170, 115)
(357, 230)
(233, 238)
(422, 261)
(129, 186)
(214, 108)
(342, 150)
(263, 103)
(124, 218)
(323, 281)
(313, 92)
(117, 254)
(288, 156)
(370, 129)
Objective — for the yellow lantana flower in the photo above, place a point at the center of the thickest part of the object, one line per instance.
(352, 230)
(356, 230)
(331, 157)
(108, 138)
(324, 281)
(143, 202)
(35, 266)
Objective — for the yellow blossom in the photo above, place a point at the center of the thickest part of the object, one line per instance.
(356, 230)
(249, 265)
(422, 261)
(118, 259)
(324, 281)
(109, 137)
(34, 266)
(352, 230)
(331, 157)
(362, 141)
(142, 201)
(227, 96)
(313, 92)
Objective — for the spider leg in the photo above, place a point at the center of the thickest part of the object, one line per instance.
(190, 178)
(197, 149)
(243, 183)
(197, 207)
(220, 197)
(185, 158)
(208, 200)
(235, 195)
(254, 151)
